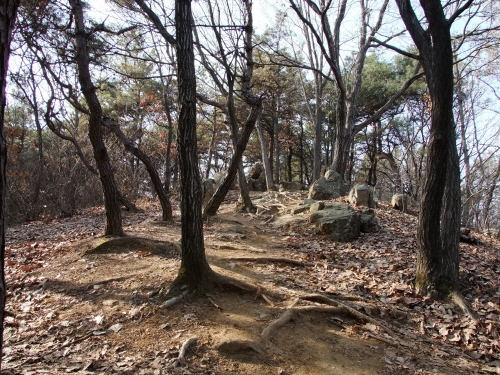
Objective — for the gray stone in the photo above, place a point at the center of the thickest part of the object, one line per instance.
(317, 206)
(290, 222)
(256, 171)
(291, 186)
(342, 227)
(368, 221)
(219, 179)
(209, 188)
(299, 209)
(238, 229)
(329, 186)
(331, 209)
(362, 195)
(308, 201)
(400, 202)
(322, 189)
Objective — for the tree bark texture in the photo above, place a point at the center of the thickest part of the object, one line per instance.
(106, 175)
(438, 233)
(8, 11)
(194, 266)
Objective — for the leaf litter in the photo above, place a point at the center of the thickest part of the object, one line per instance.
(73, 314)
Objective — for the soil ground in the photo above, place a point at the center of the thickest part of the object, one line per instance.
(94, 313)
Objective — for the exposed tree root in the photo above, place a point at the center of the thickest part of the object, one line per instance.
(281, 321)
(334, 307)
(181, 359)
(460, 301)
(227, 281)
(272, 260)
(349, 310)
(172, 301)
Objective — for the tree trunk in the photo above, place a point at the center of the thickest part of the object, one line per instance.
(318, 132)
(212, 145)
(8, 10)
(467, 205)
(265, 157)
(438, 232)
(194, 270)
(217, 199)
(277, 151)
(153, 173)
(106, 175)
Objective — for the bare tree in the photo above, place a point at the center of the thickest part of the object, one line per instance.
(111, 195)
(8, 11)
(194, 270)
(227, 87)
(439, 219)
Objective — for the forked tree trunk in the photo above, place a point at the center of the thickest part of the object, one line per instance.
(217, 199)
(153, 173)
(8, 11)
(438, 233)
(106, 175)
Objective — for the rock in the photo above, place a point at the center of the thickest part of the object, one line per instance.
(290, 222)
(362, 195)
(308, 201)
(334, 208)
(317, 206)
(368, 221)
(238, 229)
(322, 189)
(291, 186)
(331, 185)
(256, 179)
(256, 171)
(219, 179)
(400, 202)
(344, 226)
(341, 222)
(299, 209)
(209, 188)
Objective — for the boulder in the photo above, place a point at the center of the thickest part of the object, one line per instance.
(362, 195)
(257, 184)
(368, 221)
(256, 178)
(299, 209)
(342, 223)
(331, 209)
(317, 206)
(329, 186)
(256, 171)
(290, 222)
(400, 202)
(340, 227)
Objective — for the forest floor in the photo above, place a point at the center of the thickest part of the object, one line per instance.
(94, 313)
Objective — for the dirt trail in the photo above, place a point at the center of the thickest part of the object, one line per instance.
(93, 314)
